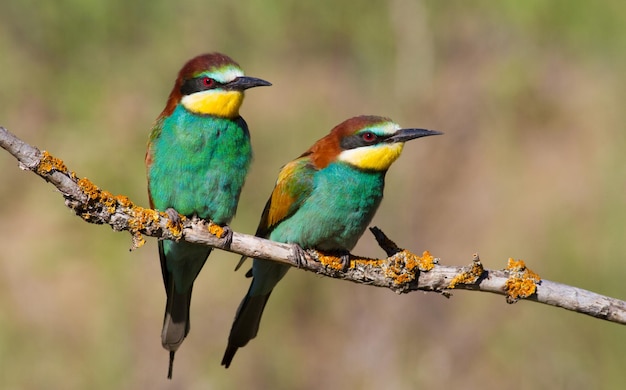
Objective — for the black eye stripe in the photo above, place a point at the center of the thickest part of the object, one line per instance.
(196, 85)
(357, 140)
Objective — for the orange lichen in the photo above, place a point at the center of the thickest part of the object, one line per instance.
(108, 200)
(366, 262)
(93, 194)
(138, 241)
(404, 266)
(522, 282)
(330, 261)
(49, 163)
(469, 275)
(89, 189)
(216, 230)
(175, 227)
(140, 219)
(425, 262)
(398, 273)
(124, 201)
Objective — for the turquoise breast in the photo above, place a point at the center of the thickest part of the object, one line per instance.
(199, 165)
(339, 209)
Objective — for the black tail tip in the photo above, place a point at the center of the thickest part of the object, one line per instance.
(228, 356)
(170, 369)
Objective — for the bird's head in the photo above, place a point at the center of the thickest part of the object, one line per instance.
(370, 143)
(211, 84)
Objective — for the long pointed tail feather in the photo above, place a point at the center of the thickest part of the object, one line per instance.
(245, 326)
(170, 368)
(176, 323)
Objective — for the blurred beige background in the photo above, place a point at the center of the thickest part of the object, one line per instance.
(530, 96)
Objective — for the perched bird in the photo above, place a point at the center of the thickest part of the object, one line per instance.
(197, 160)
(322, 200)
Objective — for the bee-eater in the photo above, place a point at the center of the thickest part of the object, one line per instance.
(322, 200)
(197, 160)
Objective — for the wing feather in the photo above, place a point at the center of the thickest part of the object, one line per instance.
(293, 187)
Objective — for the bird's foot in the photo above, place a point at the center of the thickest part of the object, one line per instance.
(299, 255)
(173, 215)
(345, 261)
(227, 236)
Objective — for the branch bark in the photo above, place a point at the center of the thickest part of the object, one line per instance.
(401, 272)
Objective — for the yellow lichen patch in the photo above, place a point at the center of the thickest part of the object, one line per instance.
(404, 266)
(124, 201)
(396, 270)
(96, 194)
(522, 282)
(175, 227)
(395, 273)
(141, 218)
(367, 262)
(89, 189)
(92, 192)
(138, 241)
(469, 275)
(425, 262)
(216, 230)
(108, 200)
(330, 261)
(49, 163)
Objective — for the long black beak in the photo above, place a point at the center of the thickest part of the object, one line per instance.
(404, 135)
(245, 82)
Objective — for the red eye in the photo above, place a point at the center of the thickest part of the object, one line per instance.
(369, 137)
(208, 82)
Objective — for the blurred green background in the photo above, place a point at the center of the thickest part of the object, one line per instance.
(530, 96)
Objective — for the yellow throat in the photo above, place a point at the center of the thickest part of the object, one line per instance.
(216, 102)
(373, 158)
